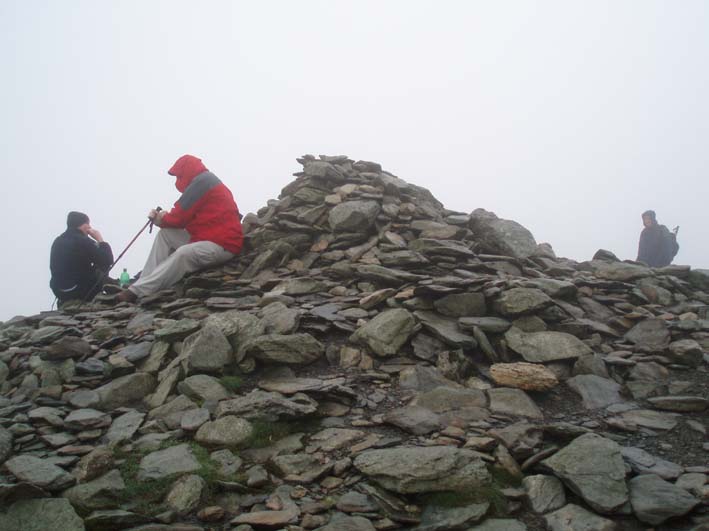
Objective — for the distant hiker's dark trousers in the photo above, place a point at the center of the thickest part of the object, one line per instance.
(85, 289)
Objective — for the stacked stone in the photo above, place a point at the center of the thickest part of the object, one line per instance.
(402, 349)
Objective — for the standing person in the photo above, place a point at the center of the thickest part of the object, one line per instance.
(656, 247)
(79, 258)
(201, 230)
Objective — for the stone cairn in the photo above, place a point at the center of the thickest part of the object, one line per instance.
(371, 361)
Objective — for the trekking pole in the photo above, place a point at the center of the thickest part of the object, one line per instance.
(150, 224)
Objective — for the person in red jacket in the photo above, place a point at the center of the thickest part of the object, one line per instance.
(202, 229)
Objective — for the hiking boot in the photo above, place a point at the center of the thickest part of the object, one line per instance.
(111, 288)
(127, 296)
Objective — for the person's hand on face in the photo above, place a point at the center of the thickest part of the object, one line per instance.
(95, 234)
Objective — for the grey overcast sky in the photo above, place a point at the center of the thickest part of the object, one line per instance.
(571, 117)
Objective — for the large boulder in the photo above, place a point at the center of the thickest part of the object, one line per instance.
(126, 390)
(225, 431)
(574, 518)
(268, 406)
(650, 334)
(293, 349)
(446, 329)
(501, 236)
(619, 271)
(596, 392)
(592, 467)
(42, 514)
(387, 332)
(185, 494)
(353, 216)
(238, 327)
(168, 462)
(515, 402)
(101, 493)
(654, 500)
(207, 350)
(520, 301)
(39, 472)
(542, 347)
(201, 387)
(423, 469)
(5, 444)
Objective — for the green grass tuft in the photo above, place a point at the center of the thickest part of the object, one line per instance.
(266, 433)
(232, 383)
(490, 493)
(144, 497)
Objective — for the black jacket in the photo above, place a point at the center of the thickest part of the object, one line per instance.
(655, 247)
(77, 262)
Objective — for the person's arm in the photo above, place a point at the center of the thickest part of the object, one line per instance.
(642, 248)
(186, 207)
(176, 218)
(99, 251)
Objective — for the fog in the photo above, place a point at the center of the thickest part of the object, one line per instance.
(570, 117)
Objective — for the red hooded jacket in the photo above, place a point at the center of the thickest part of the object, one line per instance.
(206, 208)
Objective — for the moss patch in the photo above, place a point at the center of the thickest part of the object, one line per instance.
(232, 383)
(490, 493)
(266, 433)
(146, 496)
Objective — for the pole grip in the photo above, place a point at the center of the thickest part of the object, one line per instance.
(152, 220)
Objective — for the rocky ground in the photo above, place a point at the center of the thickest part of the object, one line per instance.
(371, 361)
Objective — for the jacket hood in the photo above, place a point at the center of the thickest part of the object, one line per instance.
(650, 214)
(186, 168)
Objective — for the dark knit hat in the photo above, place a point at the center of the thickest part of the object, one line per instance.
(650, 214)
(74, 220)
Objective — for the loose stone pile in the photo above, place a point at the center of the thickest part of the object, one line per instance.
(371, 361)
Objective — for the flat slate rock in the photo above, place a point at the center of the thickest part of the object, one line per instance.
(268, 406)
(423, 469)
(575, 518)
(39, 472)
(42, 514)
(294, 349)
(413, 419)
(643, 462)
(124, 427)
(225, 431)
(519, 301)
(680, 403)
(513, 402)
(542, 347)
(170, 461)
(595, 391)
(126, 390)
(499, 524)
(651, 334)
(387, 332)
(545, 493)
(348, 523)
(592, 467)
(648, 418)
(446, 329)
(654, 500)
(177, 330)
(435, 518)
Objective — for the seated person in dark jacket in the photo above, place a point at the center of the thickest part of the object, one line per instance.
(655, 247)
(79, 258)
